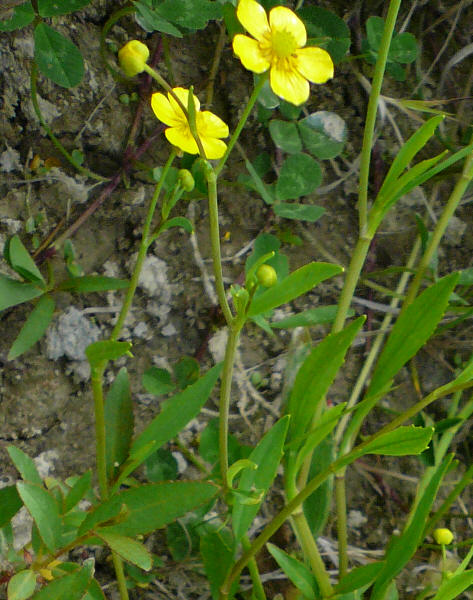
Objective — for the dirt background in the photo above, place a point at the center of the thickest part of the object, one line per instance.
(46, 404)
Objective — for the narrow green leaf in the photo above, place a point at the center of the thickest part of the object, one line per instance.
(299, 212)
(94, 591)
(25, 465)
(177, 222)
(57, 57)
(296, 572)
(13, 292)
(318, 504)
(315, 377)
(161, 466)
(10, 504)
(285, 135)
(415, 143)
(400, 442)
(359, 578)
(297, 283)
(69, 587)
(53, 8)
(299, 175)
(43, 508)
(20, 261)
(119, 422)
(453, 587)
(322, 429)
(22, 16)
(80, 488)
(129, 549)
(412, 329)
(259, 184)
(22, 585)
(150, 20)
(105, 350)
(267, 456)
(309, 317)
(150, 506)
(176, 413)
(218, 558)
(403, 547)
(92, 283)
(34, 327)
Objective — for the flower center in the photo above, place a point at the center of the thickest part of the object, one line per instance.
(283, 43)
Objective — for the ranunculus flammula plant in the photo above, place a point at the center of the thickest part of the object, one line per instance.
(210, 128)
(278, 45)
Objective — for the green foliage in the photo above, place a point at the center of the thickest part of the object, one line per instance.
(296, 572)
(119, 423)
(174, 16)
(326, 30)
(403, 48)
(57, 57)
(43, 507)
(34, 327)
(22, 585)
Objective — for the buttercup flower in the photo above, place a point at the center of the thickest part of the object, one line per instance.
(443, 536)
(278, 46)
(132, 57)
(209, 127)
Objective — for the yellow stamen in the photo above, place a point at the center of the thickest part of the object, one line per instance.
(283, 43)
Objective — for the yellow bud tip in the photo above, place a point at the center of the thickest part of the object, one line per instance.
(132, 57)
(266, 276)
(443, 536)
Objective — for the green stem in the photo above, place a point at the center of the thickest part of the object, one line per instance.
(372, 110)
(241, 123)
(225, 394)
(49, 131)
(353, 273)
(120, 573)
(311, 552)
(258, 589)
(222, 36)
(441, 226)
(215, 244)
(97, 391)
(291, 507)
(130, 292)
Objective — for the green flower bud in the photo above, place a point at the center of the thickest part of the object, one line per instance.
(266, 276)
(124, 99)
(186, 180)
(132, 57)
(443, 536)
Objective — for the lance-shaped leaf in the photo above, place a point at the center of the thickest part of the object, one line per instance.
(43, 508)
(296, 572)
(70, 587)
(412, 329)
(402, 548)
(25, 465)
(10, 504)
(105, 350)
(294, 285)
(13, 292)
(175, 414)
(34, 327)
(20, 261)
(400, 442)
(129, 549)
(454, 586)
(149, 507)
(118, 422)
(22, 585)
(266, 456)
(92, 283)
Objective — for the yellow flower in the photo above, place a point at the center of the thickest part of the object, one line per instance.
(209, 127)
(132, 57)
(443, 536)
(278, 46)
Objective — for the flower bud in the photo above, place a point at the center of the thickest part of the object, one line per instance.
(132, 57)
(443, 536)
(266, 276)
(186, 180)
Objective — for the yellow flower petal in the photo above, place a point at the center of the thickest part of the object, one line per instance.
(183, 96)
(288, 84)
(314, 64)
(163, 110)
(213, 148)
(209, 125)
(182, 138)
(253, 18)
(283, 19)
(249, 53)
